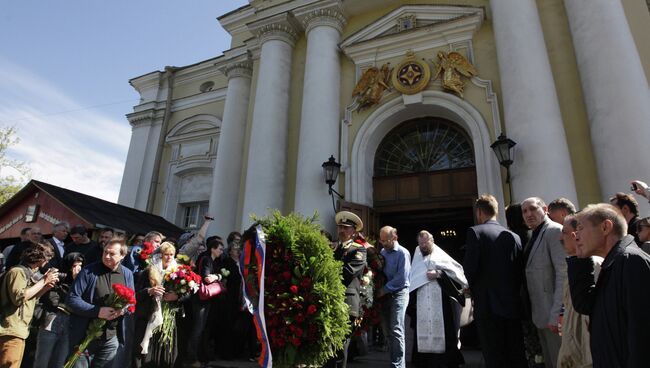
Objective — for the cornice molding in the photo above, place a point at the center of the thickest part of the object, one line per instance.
(199, 99)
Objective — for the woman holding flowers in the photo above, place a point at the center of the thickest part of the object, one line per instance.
(155, 337)
(209, 268)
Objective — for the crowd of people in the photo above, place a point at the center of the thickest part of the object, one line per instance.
(557, 288)
(52, 289)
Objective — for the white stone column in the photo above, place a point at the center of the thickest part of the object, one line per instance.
(616, 92)
(267, 152)
(319, 124)
(138, 170)
(542, 165)
(228, 166)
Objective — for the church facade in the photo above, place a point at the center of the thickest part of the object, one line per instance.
(408, 96)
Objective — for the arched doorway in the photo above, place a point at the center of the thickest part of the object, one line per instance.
(424, 178)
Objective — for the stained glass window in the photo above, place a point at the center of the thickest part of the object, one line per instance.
(423, 145)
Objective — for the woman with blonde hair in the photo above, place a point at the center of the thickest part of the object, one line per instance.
(150, 349)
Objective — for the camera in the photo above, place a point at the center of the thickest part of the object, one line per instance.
(62, 276)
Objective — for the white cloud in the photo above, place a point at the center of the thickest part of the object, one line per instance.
(81, 150)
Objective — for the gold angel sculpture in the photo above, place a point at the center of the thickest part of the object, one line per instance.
(452, 65)
(371, 86)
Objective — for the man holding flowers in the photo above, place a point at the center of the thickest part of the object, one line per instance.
(87, 301)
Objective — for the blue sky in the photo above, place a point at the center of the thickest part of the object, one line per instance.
(64, 72)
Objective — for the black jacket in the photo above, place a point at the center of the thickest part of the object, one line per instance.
(618, 304)
(354, 257)
(493, 265)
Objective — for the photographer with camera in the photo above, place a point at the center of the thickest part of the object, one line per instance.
(52, 341)
(19, 291)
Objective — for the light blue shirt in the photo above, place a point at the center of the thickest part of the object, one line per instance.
(397, 267)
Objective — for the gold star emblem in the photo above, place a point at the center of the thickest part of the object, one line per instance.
(411, 75)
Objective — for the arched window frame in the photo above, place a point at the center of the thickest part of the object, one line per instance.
(421, 145)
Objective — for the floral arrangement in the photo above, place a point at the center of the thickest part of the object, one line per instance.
(305, 311)
(181, 280)
(122, 298)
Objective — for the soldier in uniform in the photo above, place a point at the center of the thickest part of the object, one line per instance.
(353, 256)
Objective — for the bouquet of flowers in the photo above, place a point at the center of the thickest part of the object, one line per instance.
(222, 275)
(122, 298)
(146, 251)
(183, 259)
(304, 298)
(181, 280)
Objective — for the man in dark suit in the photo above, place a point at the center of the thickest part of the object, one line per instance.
(59, 234)
(493, 265)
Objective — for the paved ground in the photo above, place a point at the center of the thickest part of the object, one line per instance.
(473, 359)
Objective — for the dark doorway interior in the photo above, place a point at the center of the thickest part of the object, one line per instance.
(449, 229)
(447, 225)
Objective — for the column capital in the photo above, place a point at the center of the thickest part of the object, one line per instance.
(330, 17)
(243, 69)
(277, 31)
(142, 118)
(280, 27)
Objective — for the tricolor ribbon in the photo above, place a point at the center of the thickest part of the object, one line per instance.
(255, 251)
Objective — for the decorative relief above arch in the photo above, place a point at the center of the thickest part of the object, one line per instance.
(194, 139)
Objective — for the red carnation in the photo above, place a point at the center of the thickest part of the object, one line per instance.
(295, 341)
(280, 342)
(312, 330)
(305, 283)
(293, 289)
(300, 317)
(298, 331)
(286, 275)
(146, 251)
(311, 309)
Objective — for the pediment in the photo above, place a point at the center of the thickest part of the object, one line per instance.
(432, 26)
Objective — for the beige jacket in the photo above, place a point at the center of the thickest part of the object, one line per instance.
(17, 310)
(575, 351)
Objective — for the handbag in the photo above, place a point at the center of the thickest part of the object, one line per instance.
(209, 291)
(467, 313)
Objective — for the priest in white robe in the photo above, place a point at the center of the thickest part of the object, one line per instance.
(436, 289)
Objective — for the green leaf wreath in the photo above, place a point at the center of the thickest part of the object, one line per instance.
(305, 310)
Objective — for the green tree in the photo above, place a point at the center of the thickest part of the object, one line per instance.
(10, 183)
